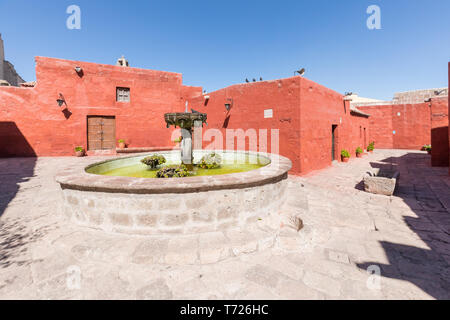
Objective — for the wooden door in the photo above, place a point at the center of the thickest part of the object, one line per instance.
(101, 132)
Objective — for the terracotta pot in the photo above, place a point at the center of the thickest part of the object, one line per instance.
(79, 153)
(370, 151)
(122, 145)
(359, 155)
(345, 159)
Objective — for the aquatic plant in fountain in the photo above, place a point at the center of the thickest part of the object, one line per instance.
(174, 171)
(154, 161)
(210, 161)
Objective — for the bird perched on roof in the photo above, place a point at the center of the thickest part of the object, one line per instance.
(254, 80)
(260, 79)
(246, 80)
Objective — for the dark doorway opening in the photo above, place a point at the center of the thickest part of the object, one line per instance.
(365, 141)
(333, 142)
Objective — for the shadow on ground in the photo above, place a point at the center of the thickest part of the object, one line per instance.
(15, 238)
(425, 190)
(13, 144)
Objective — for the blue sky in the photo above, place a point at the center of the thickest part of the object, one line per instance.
(219, 43)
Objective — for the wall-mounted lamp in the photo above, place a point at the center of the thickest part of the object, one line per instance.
(61, 100)
(301, 72)
(79, 71)
(229, 104)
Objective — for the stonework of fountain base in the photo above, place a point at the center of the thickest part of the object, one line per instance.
(174, 206)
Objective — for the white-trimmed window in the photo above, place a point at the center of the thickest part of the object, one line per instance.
(122, 94)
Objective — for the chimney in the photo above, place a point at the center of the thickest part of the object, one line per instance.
(2, 58)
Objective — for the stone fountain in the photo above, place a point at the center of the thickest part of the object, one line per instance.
(186, 121)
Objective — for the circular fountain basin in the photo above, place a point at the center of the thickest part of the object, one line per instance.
(133, 167)
(106, 196)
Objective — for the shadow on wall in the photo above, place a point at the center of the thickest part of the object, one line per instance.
(425, 190)
(439, 147)
(17, 170)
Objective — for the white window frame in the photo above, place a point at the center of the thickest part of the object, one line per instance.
(122, 94)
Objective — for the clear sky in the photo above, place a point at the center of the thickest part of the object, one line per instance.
(218, 43)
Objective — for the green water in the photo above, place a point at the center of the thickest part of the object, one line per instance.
(140, 170)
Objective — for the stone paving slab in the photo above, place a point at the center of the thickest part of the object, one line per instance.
(345, 233)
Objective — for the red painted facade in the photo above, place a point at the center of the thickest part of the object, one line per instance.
(51, 132)
(303, 111)
(439, 132)
(411, 126)
(399, 126)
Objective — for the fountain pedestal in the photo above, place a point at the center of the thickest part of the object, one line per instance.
(186, 121)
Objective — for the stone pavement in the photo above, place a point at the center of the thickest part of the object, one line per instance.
(346, 232)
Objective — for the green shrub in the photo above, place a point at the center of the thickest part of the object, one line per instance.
(121, 141)
(210, 161)
(359, 150)
(154, 160)
(172, 172)
(79, 149)
(178, 140)
(345, 153)
(427, 147)
(371, 145)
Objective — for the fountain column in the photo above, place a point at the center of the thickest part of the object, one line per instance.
(186, 148)
(186, 121)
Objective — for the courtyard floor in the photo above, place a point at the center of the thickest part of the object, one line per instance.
(346, 232)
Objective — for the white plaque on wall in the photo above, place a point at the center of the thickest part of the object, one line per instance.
(268, 113)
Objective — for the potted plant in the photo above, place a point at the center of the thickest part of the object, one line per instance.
(80, 152)
(359, 152)
(122, 144)
(345, 155)
(370, 147)
(427, 148)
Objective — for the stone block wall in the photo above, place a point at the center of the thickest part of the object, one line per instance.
(186, 213)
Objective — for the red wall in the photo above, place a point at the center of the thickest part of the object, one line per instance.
(303, 111)
(247, 112)
(439, 132)
(411, 123)
(34, 111)
(320, 108)
(414, 124)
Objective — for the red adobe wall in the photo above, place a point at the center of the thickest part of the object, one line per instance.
(188, 93)
(412, 127)
(247, 112)
(414, 124)
(439, 132)
(320, 108)
(303, 111)
(380, 123)
(411, 123)
(47, 131)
